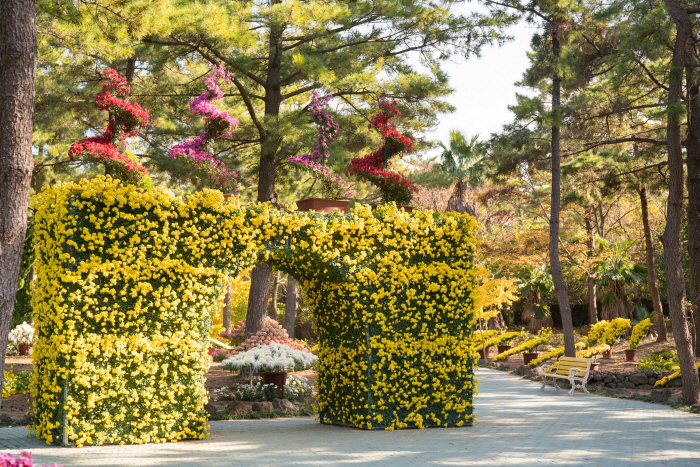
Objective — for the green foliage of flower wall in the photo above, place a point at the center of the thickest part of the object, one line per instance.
(127, 280)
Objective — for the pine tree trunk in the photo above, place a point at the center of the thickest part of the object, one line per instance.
(17, 68)
(651, 269)
(692, 147)
(591, 276)
(555, 263)
(290, 306)
(227, 308)
(260, 286)
(675, 281)
(261, 275)
(272, 305)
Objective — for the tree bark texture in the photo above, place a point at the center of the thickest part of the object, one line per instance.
(17, 69)
(651, 269)
(260, 287)
(272, 305)
(591, 276)
(555, 263)
(692, 147)
(290, 306)
(675, 280)
(227, 308)
(261, 276)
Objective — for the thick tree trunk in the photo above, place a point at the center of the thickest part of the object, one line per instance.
(555, 263)
(591, 276)
(227, 308)
(692, 147)
(272, 305)
(651, 269)
(17, 68)
(675, 281)
(260, 286)
(261, 274)
(290, 306)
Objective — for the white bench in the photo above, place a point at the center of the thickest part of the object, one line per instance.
(575, 370)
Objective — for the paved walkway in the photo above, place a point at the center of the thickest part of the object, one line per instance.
(517, 425)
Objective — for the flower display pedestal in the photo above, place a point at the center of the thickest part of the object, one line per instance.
(529, 356)
(24, 349)
(323, 205)
(630, 354)
(504, 348)
(278, 378)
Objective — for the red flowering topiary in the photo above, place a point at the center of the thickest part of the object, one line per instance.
(393, 186)
(271, 332)
(127, 119)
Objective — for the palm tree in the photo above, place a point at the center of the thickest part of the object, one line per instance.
(615, 274)
(536, 288)
(464, 164)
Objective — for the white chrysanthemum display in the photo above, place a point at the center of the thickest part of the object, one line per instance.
(22, 334)
(270, 357)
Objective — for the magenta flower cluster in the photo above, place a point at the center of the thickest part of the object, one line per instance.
(332, 185)
(219, 124)
(24, 460)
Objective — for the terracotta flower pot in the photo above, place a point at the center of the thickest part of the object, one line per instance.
(24, 349)
(484, 353)
(278, 378)
(529, 356)
(629, 354)
(323, 205)
(595, 366)
(607, 354)
(504, 348)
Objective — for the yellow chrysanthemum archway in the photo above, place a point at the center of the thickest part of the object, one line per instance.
(127, 277)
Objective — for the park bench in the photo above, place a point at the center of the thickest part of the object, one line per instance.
(575, 370)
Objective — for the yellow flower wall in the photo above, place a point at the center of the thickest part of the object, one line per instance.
(127, 280)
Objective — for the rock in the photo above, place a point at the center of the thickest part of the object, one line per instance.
(608, 379)
(674, 400)
(645, 386)
(307, 401)
(652, 380)
(283, 405)
(639, 378)
(211, 410)
(611, 385)
(263, 407)
(594, 378)
(660, 395)
(238, 408)
(5, 418)
(621, 392)
(627, 385)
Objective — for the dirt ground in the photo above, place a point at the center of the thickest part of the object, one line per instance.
(18, 405)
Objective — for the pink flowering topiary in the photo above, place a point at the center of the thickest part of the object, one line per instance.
(332, 185)
(271, 332)
(24, 460)
(219, 124)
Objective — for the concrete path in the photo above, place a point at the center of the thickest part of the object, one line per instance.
(517, 425)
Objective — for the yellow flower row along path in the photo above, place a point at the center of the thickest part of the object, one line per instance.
(127, 280)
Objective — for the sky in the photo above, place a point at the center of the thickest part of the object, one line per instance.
(484, 87)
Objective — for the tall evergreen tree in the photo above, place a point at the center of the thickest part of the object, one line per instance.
(17, 69)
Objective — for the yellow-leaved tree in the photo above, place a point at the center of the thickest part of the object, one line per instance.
(491, 295)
